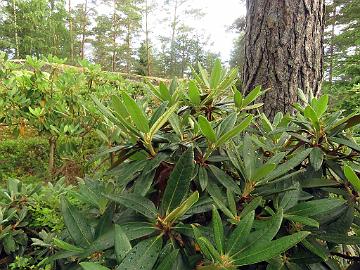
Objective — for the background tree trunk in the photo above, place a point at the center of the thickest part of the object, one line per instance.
(283, 50)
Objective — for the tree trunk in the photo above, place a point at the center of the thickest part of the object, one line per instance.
(84, 30)
(113, 58)
(148, 69)
(71, 34)
(16, 31)
(331, 50)
(173, 34)
(283, 50)
(52, 144)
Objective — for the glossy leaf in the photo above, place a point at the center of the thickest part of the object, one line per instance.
(92, 266)
(239, 236)
(218, 230)
(206, 129)
(194, 93)
(143, 255)
(76, 224)
(258, 254)
(137, 203)
(235, 131)
(179, 181)
(136, 113)
(352, 177)
(122, 243)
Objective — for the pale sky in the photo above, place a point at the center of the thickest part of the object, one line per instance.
(220, 14)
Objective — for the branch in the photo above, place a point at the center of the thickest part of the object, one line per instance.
(347, 257)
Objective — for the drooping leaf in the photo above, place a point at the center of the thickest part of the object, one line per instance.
(239, 236)
(143, 255)
(316, 158)
(203, 177)
(314, 207)
(76, 224)
(122, 243)
(346, 142)
(137, 203)
(339, 238)
(218, 230)
(303, 220)
(92, 266)
(316, 248)
(67, 246)
(224, 179)
(179, 181)
(168, 261)
(265, 252)
(288, 165)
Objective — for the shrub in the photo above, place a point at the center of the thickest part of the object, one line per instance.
(24, 158)
(28, 217)
(201, 183)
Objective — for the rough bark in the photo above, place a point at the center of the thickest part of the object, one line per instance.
(331, 49)
(283, 50)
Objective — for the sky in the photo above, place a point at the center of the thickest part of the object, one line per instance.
(219, 15)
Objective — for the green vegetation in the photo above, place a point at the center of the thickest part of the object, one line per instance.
(189, 175)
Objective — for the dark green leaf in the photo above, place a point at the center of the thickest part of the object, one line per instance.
(122, 243)
(265, 252)
(225, 179)
(76, 224)
(142, 256)
(137, 203)
(179, 181)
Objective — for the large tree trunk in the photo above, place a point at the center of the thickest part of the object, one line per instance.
(283, 50)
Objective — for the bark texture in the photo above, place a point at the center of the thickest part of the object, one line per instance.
(283, 50)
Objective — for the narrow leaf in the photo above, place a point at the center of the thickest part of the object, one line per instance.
(76, 224)
(142, 256)
(92, 266)
(137, 203)
(270, 250)
(218, 230)
(136, 113)
(239, 236)
(122, 243)
(352, 177)
(179, 181)
(206, 129)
